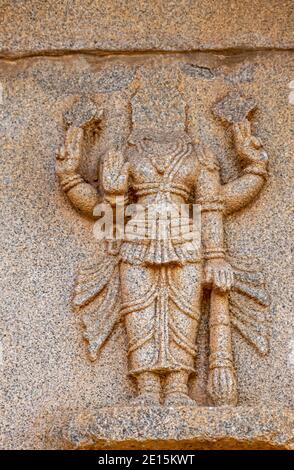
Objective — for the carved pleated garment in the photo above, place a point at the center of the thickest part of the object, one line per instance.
(161, 307)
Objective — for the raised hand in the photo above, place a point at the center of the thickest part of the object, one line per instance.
(249, 148)
(69, 155)
(115, 172)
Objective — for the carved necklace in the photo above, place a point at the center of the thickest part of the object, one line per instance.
(162, 162)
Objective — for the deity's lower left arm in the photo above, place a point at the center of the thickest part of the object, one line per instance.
(222, 378)
(210, 200)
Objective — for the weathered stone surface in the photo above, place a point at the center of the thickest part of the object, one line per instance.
(35, 26)
(177, 428)
(50, 391)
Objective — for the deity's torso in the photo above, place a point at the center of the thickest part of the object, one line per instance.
(162, 183)
(173, 174)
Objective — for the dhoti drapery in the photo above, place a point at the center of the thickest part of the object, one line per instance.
(161, 305)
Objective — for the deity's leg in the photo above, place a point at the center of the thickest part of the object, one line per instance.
(176, 389)
(139, 292)
(185, 294)
(149, 388)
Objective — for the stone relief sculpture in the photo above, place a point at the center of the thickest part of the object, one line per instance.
(155, 284)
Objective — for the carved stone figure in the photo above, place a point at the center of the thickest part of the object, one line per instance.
(156, 284)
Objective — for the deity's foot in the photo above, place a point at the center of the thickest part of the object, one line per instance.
(146, 399)
(179, 399)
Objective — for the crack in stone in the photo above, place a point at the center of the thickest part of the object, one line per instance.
(234, 51)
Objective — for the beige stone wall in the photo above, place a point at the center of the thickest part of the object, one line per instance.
(145, 25)
(45, 370)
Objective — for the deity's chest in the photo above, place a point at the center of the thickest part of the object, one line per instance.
(145, 169)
